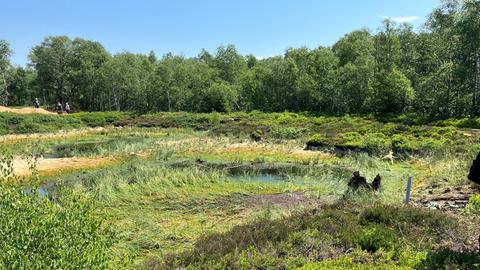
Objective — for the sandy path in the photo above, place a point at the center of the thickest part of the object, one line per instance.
(26, 110)
(55, 165)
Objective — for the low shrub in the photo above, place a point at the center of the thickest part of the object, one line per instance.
(473, 206)
(28, 126)
(50, 229)
(287, 118)
(448, 259)
(320, 238)
(287, 133)
(257, 135)
(35, 123)
(344, 133)
(402, 143)
(376, 143)
(42, 232)
(317, 140)
(100, 119)
(349, 141)
(376, 237)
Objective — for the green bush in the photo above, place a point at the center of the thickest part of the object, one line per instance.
(390, 129)
(473, 206)
(372, 233)
(346, 262)
(403, 143)
(287, 133)
(257, 135)
(389, 215)
(43, 232)
(288, 118)
(100, 119)
(376, 237)
(375, 143)
(448, 259)
(28, 126)
(35, 123)
(349, 141)
(317, 140)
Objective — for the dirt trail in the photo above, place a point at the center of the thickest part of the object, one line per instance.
(53, 135)
(55, 165)
(25, 110)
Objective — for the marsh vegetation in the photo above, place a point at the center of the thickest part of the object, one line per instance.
(179, 190)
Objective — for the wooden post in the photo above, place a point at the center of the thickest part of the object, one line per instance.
(476, 84)
(409, 190)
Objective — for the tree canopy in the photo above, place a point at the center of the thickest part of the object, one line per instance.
(434, 72)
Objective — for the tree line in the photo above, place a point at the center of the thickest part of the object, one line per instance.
(434, 72)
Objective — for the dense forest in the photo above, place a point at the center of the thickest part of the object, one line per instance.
(434, 72)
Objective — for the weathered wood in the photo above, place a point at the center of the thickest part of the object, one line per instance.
(409, 190)
(475, 84)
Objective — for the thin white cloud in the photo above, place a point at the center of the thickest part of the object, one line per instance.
(402, 19)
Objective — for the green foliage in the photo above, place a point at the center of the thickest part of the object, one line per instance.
(392, 92)
(100, 119)
(447, 259)
(396, 70)
(287, 133)
(403, 143)
(304, 238)
(473, 206)
(349, 141)
(375, 143)
(49, 228)
(376, 237)
(29, 126)
(14, 123)
(317, 140)
(219, 97)
(256, 135)
(41, 233)
(346, 133)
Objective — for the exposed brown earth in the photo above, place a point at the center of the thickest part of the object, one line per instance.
(26, 110)
(451, 200)
(57, 165)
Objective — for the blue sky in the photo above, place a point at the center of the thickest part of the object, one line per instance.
(262, 27)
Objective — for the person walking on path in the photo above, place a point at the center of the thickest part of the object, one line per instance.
(67, 107)
(36, 103)
(59, 108)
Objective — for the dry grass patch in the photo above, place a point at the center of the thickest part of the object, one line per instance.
(59, 165)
